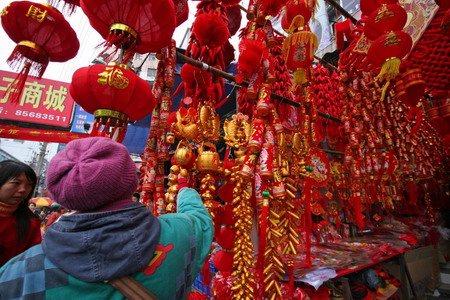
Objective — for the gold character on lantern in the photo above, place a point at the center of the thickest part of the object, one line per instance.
(391, 40)
(36, 14)
(113, 77)
(5, 11)
(300, 52)
(383, 13)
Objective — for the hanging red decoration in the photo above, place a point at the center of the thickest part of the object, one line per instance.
(42, 35)
(368, 6)
(68, 6)
(114, 94)
(252, 52)
(181, 11)
(137, 26)
(234, 16)
(210, 30)
(298, 49)
(271, 7)
(304, 8)
(414, 85)
(386, 18)
(387, 51)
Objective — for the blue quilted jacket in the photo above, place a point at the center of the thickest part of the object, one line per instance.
(81, 251)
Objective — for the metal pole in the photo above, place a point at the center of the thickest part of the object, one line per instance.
(39, 164)
(342, 11)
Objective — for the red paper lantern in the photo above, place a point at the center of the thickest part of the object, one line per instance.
(226, 237)
(181, 11)
(304, 8)
(223, 261)
(228, 216)
(114, 94)
(414, 84)
(391, 17)
(368, 6)
(42, 35)
(387, 51)
(136, 26)
(298, 49)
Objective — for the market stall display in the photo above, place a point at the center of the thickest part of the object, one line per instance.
(322, 173)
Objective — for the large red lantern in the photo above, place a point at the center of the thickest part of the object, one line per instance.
(391, 17)
(114, 94)
(387, 51)
(181, 11)
(298, 49)
(368, 6)
(42, 35)
(138, 26)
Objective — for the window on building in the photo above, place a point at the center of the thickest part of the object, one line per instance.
(151, 73)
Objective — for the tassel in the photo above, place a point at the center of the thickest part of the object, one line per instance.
(35, 61)
(300, 77)
(412, 191)
(15, 89)
(390, 69)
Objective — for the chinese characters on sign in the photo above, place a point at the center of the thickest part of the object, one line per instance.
(82, 121)
(42, 101)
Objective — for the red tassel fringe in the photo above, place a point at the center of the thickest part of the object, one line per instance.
(34, 64)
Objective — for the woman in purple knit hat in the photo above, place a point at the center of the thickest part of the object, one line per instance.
(111, 247)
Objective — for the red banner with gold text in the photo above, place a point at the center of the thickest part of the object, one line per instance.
(38, 135)
(43, 101)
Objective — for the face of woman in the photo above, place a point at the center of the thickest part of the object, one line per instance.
(15, 190)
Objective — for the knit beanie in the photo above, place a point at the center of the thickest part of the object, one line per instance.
(90, 173)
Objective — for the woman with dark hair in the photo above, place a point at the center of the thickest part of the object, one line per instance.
(19, 227)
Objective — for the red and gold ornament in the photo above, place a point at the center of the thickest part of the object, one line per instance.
(42, 35)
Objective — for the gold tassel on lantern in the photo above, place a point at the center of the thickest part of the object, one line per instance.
(389, 71)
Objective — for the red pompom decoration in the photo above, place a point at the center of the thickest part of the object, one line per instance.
(251, 54)
(223, 261)
(226, 237)
(210, 30)
(386, 18)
